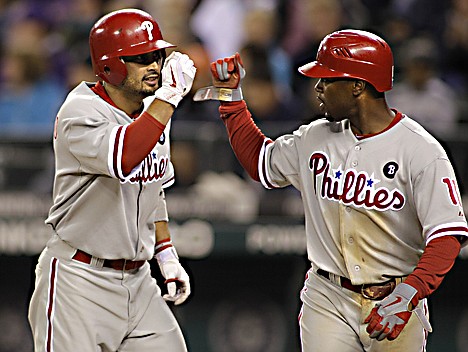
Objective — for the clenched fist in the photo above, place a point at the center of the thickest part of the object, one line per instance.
(177, 76)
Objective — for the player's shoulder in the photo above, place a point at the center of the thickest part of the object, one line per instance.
(318, 127)
(421, 139)
(79, 97)
(316, 131)
(417, 131)
(82, 91)
(83, 101)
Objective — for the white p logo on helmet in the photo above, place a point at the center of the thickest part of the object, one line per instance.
(149, 28)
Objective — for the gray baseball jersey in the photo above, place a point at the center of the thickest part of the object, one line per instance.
(99, 210)
(111, 219)
(371, 205)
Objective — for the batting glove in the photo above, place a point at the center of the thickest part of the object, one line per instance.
(228, 72)
(227, 75)
(177, 279)
(177, 77)
(389, 317)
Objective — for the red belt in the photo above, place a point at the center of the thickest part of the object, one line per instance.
(370, 291)
(117, 264)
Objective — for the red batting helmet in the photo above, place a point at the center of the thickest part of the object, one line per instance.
(125, 32)
(354, 54)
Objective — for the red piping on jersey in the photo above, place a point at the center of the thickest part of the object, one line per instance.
(396, 119)
(168, 181)
(115, 152)
(264, 166)
(460, 229)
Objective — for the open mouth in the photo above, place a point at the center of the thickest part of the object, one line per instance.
(321, 104)
(151, 80)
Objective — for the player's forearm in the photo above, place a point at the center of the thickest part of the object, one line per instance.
(161, 111)
(142, 134)
(245, 137)
(438, 258)
(162, 231)
(163, 237)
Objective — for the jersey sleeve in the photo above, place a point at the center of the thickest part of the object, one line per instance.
(103, 142)
(88, 136)
(161, 210)
(274, 164)
(279, 161)
(438, 201)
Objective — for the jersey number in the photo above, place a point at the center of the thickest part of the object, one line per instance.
(452, 190)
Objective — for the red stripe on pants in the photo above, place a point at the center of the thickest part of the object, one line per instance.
(50, 304)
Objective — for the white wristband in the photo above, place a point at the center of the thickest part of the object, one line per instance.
(215, 93)
(167, 254)
(168, 95)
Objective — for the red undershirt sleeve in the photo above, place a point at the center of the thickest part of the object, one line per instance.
(436, 261)
(245, 137)
(140, 138)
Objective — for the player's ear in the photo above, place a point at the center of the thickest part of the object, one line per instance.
(359, 86)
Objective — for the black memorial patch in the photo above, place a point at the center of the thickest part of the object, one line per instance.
(390, 169)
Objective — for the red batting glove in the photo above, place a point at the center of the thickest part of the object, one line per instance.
(390, 330)
(389, 317)
(228, 72)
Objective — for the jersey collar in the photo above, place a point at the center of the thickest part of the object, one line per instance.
(99, 89)
(396, 119)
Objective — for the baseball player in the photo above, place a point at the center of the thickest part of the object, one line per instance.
(94, 290)
(384, 221)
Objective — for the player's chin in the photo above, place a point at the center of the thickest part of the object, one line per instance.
(148, 91)
(323, 109)
(328, 116)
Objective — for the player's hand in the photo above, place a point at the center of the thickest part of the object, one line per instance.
(388, 318)
(177, 279)
(228, 72)
(177, 77)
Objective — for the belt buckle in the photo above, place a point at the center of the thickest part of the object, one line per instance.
(367, 294)
(380, 291)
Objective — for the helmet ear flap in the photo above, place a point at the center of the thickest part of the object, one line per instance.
(113, 71)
